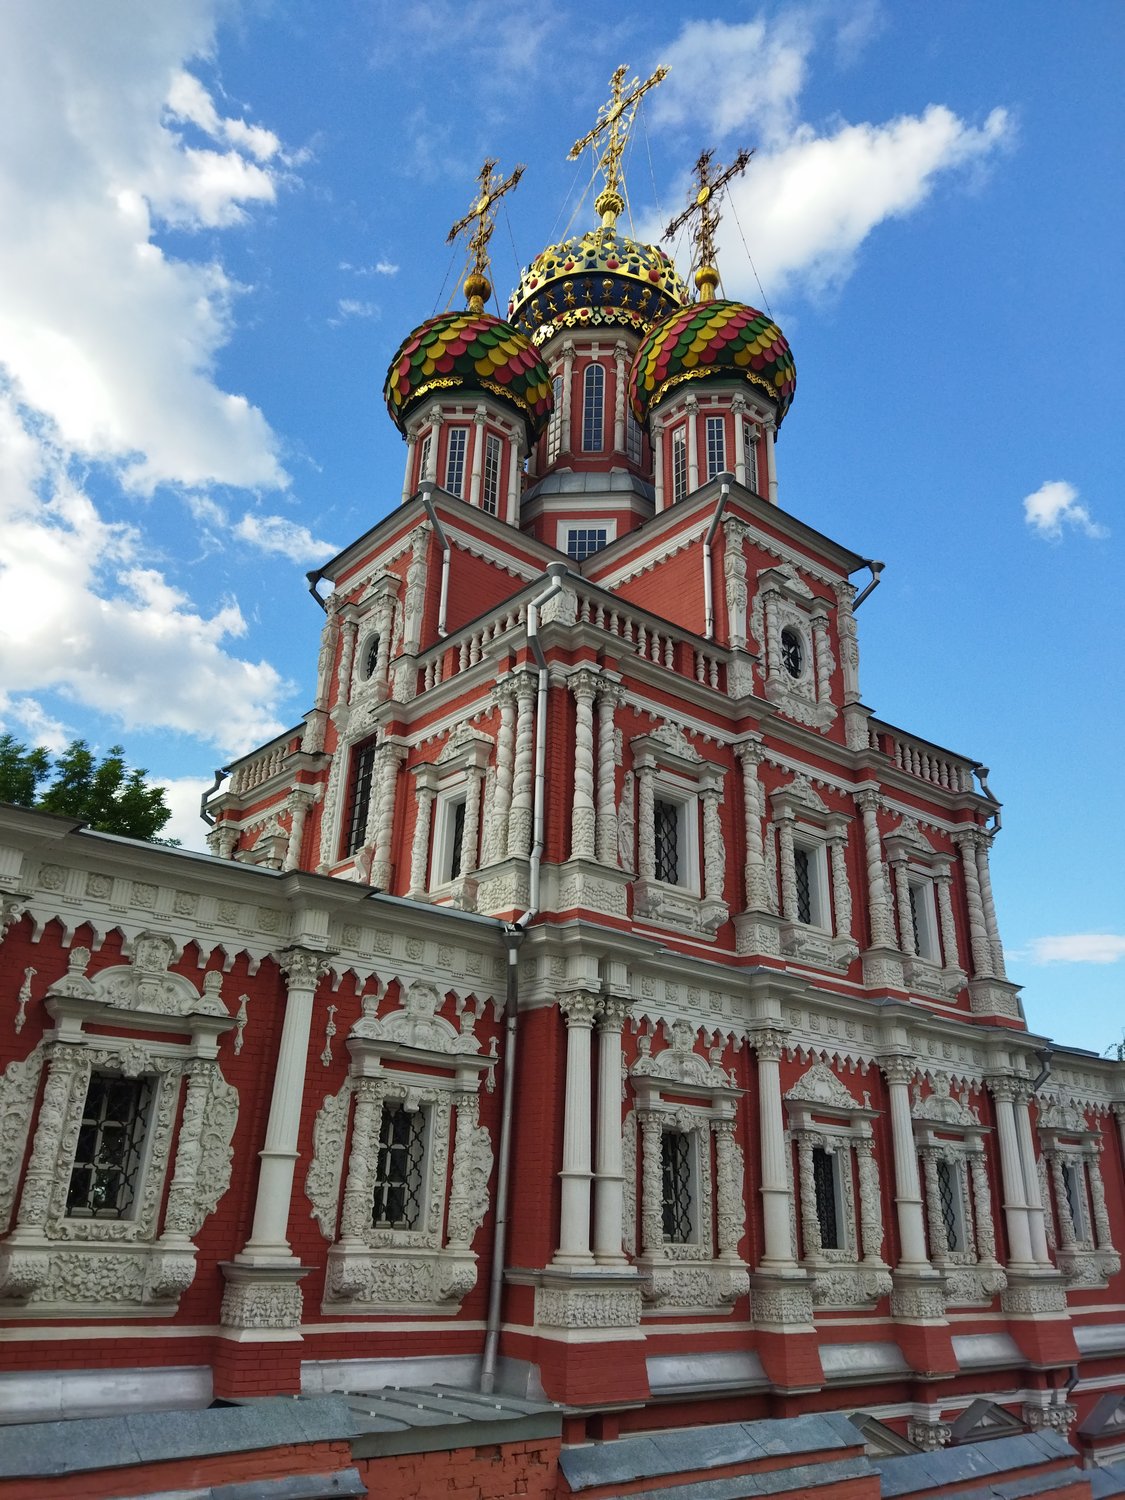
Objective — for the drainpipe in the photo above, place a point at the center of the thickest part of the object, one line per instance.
(725, 482)
(314, 578)
(876, 570)
(1046, 1061)
(426, 490)
(204, 811)
(514, 934)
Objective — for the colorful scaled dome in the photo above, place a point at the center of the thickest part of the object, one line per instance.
(713, 339)
(469, 351)
(596, 280)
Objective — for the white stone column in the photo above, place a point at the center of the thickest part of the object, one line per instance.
(478, 457)
(608, 698)
(646, 824)
(1098, 1207)
(943, 883)
(870, 1201)
(656, 438)
(841, 885)
(519, 817)
(939, 1241)
(784, 820)
(1062, 1202)
(714, 846)
(882, 935)
(730, 1189)
(609, 1176)
(908, 1188)
(849, 639)
(772, 642)
(738, 409)
(183, 1214)
(437, 420)
(505, 751)
(758, 894)
(381, 814)
(620, 367)
(822, 654)
(579, 1010)
(420, 848)
(303, 970)
(810, 1221)
(584, 686)
(470, 833)
(691, 406)
(567, 443)
(902, 896)
(1032, 1192)
(652, 1221)
(349, 630)
(734, 575)
(299, 803)
(771, 460)
(408, 475)
(982, 1204)
(777, 1251)
(67, 1067)
(355, 1213)
(514, 445)
(978, 931)
(1004, 1092)
(984, 880)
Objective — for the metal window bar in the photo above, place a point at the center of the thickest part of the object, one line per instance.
(803, 874)
(824, 1182)
(716, 447)
(363, 768)
(455, 460)
(583, 541)
(490, 495)
(946, 1191)
(666, 818)
(111, 1138)
(457, 835)
(397, 1202)
(679, 464)
(593, 388)
(675, 1172)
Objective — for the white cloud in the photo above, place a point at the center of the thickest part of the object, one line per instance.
(183, 795)
(31, 724)
(380, 268)
(349, 307)
(104, 334)
(276, 534)
(1079, 948)
(83, 612)
(1055, 505)
(811, 195)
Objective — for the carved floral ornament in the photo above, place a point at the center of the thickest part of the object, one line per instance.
(437, 1075)
(680, 1064)
(56, 1257)
(942, 1106)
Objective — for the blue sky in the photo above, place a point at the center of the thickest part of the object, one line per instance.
(220, 219)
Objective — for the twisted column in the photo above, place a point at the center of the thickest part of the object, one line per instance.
(982, 1205)
(619, 354)
(902, 896)
(646, 828)
(470, 833)
(584, 686)
(822, 651)
(878, 901)
(978, 931)
(608, 698)
(420, 848)
(505, 750)
(943, 882)
(841, 885)
(758, 894)
(810, 1220)
(870, 1202)
(984, 880)
(519, 816)
(1062, 1202)
(579, 1011)
(788, 867)
(714, 850)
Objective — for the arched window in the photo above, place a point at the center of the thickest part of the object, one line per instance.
(593, 402)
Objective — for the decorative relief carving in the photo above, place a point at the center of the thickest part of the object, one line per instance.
(322, 1181)
(579, 1307)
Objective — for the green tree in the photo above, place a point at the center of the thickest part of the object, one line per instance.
(103, 793)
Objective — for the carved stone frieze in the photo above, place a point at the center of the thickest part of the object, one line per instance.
(322, 1182)
(588, 1307)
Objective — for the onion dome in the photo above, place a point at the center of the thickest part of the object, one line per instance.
(471, 352)
(713, 339)
(599, 279)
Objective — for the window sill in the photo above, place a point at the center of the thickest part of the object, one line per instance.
(398, 1279)
(678, 907)
(816, 946)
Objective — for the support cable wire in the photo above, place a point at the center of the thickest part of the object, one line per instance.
(749, 257)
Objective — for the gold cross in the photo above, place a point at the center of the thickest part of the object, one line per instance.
(617, 117)
(478, 288)
(704, 203)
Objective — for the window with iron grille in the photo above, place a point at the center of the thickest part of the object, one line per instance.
(633, 437)
(363, 767)
(111, 1139)
(583, 541)
(803, 873)
(554, 431)
(824, 1183)
(666, 818)
(716, 446)
(1074, 1181)
(455, 459)
(593, 398)
(676, 1185)
(750, 443)
(397, 1202)
(948, 1195)
(490, 494)
(679, 464)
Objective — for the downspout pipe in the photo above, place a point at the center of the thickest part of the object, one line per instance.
(314, 578)
(514, 934)
(725, 482)
(1046, 1061)
(876, 571)
(426, 490)
(204, 811)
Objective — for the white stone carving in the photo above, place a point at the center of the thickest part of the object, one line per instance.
(322, 1182)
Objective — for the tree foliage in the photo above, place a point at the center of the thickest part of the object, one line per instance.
(103, 793)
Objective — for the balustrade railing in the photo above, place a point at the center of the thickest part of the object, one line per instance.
(258, 768)
(665, 648)
(926, 762)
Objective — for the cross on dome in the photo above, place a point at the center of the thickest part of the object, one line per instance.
(703, 207)
(616, 116)
(478, 288)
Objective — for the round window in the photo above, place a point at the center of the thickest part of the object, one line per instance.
(792, 651)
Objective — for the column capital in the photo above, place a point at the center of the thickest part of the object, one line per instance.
(580, 1008)
(971, 837)
(750, 750)
(613, 1013)
(304, 967)
(585, 682)
(869, 800)
(899, 1068)
(768, 1042)
(1006, 1088)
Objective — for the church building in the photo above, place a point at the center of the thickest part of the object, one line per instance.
(585, 1063)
